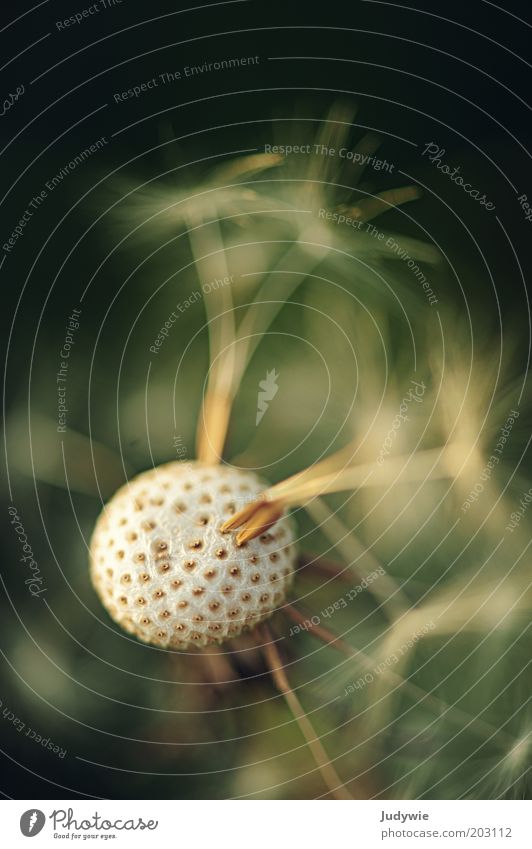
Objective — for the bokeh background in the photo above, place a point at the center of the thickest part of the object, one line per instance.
(453, 720)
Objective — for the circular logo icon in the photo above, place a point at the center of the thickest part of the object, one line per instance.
(32, 822)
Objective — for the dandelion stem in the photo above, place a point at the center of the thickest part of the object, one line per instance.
(325, 635)
(208, 248)
(276, 667)
(312, 482)
(245, 167)
(371, 207)
(219, 671)
(385, 590)
(441, 707)
(327, 568)
(291, 270)
(422, 466)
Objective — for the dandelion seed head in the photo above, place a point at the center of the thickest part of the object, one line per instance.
(180, 581)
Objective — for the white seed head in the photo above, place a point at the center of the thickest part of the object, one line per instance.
(165, 571)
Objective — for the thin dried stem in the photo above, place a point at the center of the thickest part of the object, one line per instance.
(326, 567)
(276, 667)
(441, 707)
(421, 466)
(246, 166)
(299, 489)
(291, 270)
(325, 635)
(212, 427)
(367, 146)
(371, 207)
(228, 360)
(298, 262)
(209, 254)
(385, 590)
(219, 671)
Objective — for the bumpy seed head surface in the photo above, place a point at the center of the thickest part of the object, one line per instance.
(167, 574)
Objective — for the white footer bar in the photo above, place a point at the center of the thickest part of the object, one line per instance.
(266, 824)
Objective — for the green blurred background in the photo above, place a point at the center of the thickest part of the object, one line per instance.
(138, 722)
